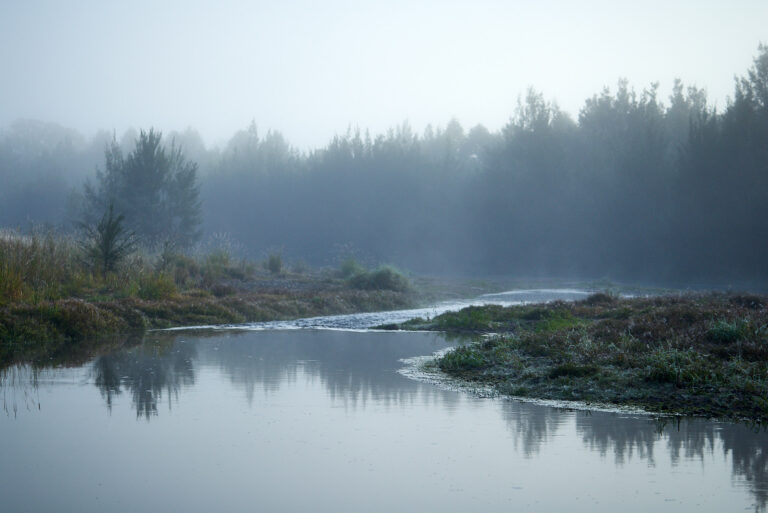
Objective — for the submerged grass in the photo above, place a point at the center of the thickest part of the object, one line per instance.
(694, 354)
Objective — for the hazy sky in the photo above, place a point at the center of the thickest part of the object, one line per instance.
(310, 69)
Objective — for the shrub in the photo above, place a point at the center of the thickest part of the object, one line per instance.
(726, 332)
(383, 278)
(462, 358)
(473, 318)
(350, 268)
(274, 263)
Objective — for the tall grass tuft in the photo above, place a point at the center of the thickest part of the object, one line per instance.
(274, 263)
(46, 266)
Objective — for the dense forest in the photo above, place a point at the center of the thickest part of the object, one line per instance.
(638, 188)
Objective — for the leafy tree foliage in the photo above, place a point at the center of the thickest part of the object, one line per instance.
(154, 187)
(107, 243)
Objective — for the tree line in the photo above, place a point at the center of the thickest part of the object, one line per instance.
(637, 188)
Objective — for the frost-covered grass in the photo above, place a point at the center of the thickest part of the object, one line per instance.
(695, 354)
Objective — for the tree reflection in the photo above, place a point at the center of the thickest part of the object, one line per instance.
(357, 368)
(19, 387)
(624, 439)
(749, 454)
(685, 439)
(531, 425)
(155, 367)
(354, 368)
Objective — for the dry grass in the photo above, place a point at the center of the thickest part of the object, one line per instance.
(50, 299)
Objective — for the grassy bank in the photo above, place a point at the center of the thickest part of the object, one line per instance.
(51, 300)
(699, 355)
(34, 331)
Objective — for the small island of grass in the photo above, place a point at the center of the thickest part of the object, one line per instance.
(703, 355)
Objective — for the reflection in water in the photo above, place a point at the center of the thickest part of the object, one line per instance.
(19, 385)
(146, 371)
(749, 454)
(531, 426)
(358, 372)
(626, 437)
(686, 439)
(623, 439)
(348, 365)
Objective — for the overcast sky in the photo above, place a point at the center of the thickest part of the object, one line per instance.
(309, 69)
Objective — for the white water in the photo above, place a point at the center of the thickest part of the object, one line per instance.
(365, 321)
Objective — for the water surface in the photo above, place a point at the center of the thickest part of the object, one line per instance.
(321, 420)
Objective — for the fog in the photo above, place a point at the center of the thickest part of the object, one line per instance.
(310, 70)
(485, 139)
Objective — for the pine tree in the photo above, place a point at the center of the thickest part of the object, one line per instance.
(107, 243)
(155, 188)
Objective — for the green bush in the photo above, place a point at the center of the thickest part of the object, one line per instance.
(472, 318)
(462, 358)
(726, 332)
(350, 268)
(383, 278)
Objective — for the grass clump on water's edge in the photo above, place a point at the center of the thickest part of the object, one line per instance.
(696, 354)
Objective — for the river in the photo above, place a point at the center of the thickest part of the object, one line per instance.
(317, 415)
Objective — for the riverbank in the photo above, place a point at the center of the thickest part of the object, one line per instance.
(53, 300)
(102, 313)
(704, 355)
(32, 331)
